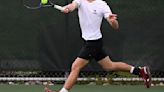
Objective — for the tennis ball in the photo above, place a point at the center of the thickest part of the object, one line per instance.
(44, 1)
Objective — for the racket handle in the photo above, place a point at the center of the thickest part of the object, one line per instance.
(59, 7)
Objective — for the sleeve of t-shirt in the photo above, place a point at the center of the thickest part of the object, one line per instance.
(78, 2)
(106, 10)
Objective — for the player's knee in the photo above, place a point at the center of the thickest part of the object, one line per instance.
(108, 67)
(75, 67)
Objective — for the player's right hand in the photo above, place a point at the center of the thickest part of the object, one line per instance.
(66, 10)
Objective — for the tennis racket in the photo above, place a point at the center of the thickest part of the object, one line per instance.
(36, 4)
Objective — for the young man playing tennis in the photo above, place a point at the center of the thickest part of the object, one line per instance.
(91, 13)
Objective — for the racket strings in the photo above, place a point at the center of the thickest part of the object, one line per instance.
(36, 4)
(32, 3)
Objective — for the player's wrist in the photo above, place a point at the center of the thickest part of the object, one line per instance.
(67, 8)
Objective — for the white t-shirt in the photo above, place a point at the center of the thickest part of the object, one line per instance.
(90, 17)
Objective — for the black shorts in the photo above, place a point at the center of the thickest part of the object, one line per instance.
(92, 49)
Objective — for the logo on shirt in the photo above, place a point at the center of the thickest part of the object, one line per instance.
(94, 12)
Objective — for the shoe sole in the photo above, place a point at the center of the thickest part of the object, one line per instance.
(148, 82)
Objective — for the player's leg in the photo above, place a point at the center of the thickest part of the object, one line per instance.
(144, 72)
(108, 65)
(78, 64)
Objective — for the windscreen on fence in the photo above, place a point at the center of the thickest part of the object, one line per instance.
(46, 39)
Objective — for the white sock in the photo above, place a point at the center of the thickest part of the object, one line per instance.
(132, 69)
(63, 90)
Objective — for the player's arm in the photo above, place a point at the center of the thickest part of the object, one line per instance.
(112, 20)
(70, 7)
(109, 16)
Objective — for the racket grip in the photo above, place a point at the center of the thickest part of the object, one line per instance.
(59, 7)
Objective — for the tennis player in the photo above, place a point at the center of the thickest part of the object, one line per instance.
(91, 13)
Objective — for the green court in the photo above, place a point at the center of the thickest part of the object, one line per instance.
(82, 88)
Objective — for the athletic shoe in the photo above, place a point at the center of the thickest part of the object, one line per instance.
(146, 76)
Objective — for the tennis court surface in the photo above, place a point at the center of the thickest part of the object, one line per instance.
(82, 88)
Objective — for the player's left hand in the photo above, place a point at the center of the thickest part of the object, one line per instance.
(113, 17)
(113, 21)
